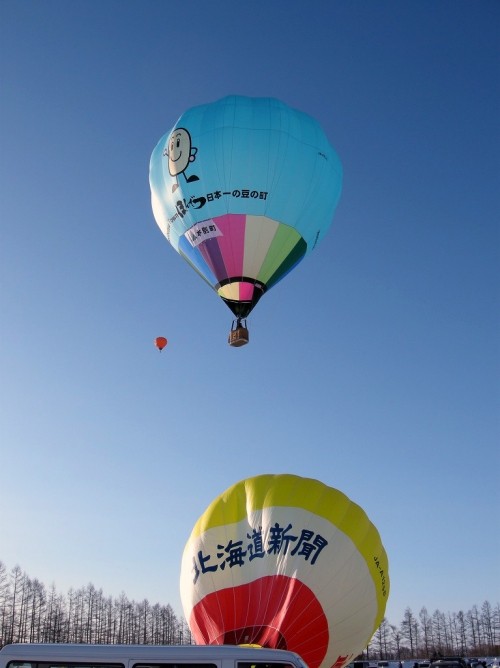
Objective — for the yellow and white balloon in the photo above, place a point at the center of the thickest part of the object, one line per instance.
(287, 562)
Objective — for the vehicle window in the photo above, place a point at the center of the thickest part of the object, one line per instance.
(175, 664)
(246, 664)
(62, 664)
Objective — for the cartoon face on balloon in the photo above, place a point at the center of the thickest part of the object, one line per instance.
(180, 153)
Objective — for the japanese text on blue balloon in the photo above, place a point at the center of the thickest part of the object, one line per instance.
(182, 205)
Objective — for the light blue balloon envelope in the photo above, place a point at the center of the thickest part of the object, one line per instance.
(244, 188)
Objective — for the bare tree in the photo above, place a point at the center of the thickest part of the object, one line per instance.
(461, 633)
(37, 611)
(397, 638)
(426, 629)
(4, 603)
(487, 623)
(381, 640)
(409, 629)
(17, 584)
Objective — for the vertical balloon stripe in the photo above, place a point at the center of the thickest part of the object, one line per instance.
(246, 291)
(230, 291)
(259, 234)
(290, 262)
(232, 242)
(285, 251)
(196, 260)
(211, 252)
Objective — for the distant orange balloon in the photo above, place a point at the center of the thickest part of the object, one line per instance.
(160, 342)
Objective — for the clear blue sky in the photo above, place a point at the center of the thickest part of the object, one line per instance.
(374, 367)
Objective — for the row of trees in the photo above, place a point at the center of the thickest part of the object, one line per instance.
(472, 633)
(29, 612)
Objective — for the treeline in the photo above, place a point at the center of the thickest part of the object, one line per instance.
(472, 633)
(29, 612)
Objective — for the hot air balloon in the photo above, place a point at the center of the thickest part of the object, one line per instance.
(160, 342)
(243, 189)
(286, 562)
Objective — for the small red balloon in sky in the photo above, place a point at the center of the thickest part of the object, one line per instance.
(160, 342)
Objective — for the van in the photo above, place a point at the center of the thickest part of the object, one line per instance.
(38, 655)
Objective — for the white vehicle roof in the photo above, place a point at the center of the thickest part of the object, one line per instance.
(78, 653)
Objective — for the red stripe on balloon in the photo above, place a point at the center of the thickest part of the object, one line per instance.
(274, 611)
